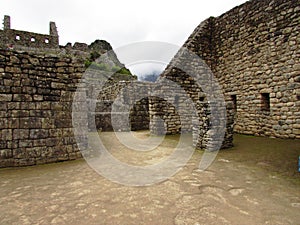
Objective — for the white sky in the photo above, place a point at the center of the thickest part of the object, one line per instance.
(118, 22)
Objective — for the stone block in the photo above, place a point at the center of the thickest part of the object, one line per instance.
(38, 133)
(5, 97)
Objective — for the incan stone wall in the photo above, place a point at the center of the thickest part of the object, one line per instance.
(187, 107)
(257, 62)
(12, 38)
(36, 94)
(204, 137)
(125, 100)
(38, 81)
(190, 70)
(37, 86)
(253, 51)
(170, 113)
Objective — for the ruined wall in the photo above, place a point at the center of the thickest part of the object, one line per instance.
(125, 93)
(12, 38)
(204, 137)
(253, 51)
(169, 111)
(36, 94)
(257, 62)
(38, 81)
(187, 108)
(210, 130)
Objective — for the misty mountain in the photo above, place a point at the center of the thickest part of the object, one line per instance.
(151, 77)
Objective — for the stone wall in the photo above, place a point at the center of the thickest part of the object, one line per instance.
(123, 100)
(36, 94)
(190, 109)
(187, 107)
(38, 81)
(169, 111)
(253, 51)
(204, 137)
(257, 62)
(13, 38)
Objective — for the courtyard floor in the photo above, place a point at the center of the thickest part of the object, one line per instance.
(255, 182)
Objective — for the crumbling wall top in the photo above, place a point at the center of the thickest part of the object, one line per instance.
(6, 22)
(53, 29)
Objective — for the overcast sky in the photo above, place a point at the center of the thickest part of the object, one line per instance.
(118, 22)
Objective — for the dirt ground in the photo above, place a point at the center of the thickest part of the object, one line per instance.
(255, 182)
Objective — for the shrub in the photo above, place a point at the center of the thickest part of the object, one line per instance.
(124, 71)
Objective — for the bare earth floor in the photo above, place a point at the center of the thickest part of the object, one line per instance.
(256, 182)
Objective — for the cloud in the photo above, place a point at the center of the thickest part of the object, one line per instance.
(146, 68)
(120, 22)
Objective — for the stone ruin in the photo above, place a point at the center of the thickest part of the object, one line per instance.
(10, 37)
(252, 50)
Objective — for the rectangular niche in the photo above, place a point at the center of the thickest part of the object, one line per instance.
(234, 101)
(265, 102)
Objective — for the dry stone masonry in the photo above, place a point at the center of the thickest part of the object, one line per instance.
(13, 38)
(252, 50)
(254, 53)
(36, 101)
(37, 86)
(119, 100)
